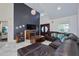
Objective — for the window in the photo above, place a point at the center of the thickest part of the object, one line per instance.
(63, 27)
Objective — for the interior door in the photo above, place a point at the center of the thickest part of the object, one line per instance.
(45, 29)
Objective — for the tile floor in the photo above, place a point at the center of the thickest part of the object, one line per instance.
(10, 48)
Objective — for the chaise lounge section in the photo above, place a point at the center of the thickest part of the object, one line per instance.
(69, 47)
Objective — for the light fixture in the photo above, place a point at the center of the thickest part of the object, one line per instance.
(23, 25)
(20, 26)
(58, 8)
(33, 12)
(16, 27)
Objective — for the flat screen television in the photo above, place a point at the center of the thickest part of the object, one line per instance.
(30, 27)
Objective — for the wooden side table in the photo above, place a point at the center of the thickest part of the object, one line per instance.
(17, 39)
(29, 33)
(37, 39)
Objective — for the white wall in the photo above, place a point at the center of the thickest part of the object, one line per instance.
(10, 22)
(72, 20)
(78, 19)
(6, 14)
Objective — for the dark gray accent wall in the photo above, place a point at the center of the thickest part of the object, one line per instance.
(22, 16)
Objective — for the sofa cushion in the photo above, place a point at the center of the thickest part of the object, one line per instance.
(68, 48)
(55, 44)
(72, 37)
(36, 50)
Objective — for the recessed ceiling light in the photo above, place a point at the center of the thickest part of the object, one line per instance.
(58, 8)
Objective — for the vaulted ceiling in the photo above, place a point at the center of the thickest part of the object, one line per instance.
(55, 10)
